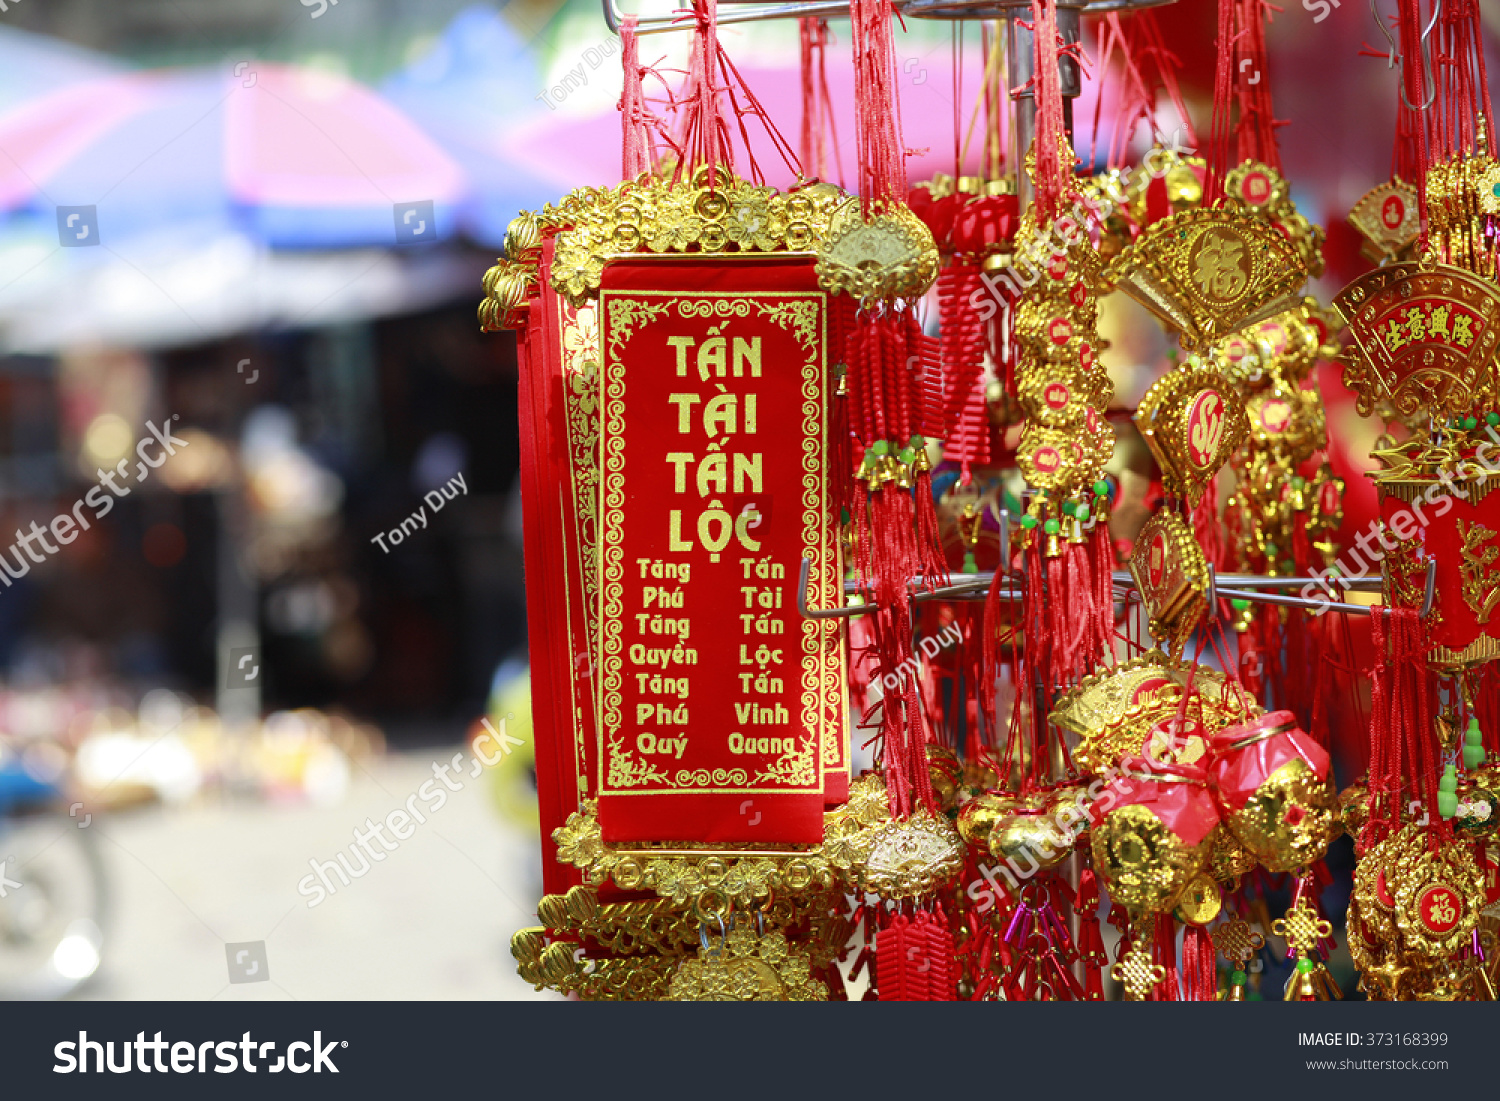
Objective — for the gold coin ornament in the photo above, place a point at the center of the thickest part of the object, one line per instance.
(1153, 841)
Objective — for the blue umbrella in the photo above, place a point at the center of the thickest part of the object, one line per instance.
(34, 64)
(470, 92)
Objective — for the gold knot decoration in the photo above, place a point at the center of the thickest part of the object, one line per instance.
(1301, 928)
(1137, 973)
(1237, 942)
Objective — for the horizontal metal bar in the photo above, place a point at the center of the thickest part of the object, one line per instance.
(683, 21)
(741, 12)
(1260, 596)
(1227, 586)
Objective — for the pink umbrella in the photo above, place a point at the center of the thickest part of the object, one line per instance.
(292, 156)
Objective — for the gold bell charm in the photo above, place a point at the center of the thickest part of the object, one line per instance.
(1311, 982)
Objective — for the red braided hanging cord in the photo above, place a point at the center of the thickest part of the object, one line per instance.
(1244, 125)
(818, 127)
(711, 97)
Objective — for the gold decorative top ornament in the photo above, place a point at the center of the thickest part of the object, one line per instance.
(1209, 273)
(890, 256)
(893, 858)
(655, 215)
(1425, 338)
(1116, 711)
(1387, 218)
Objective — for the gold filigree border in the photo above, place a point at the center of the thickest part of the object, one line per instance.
(803, 313)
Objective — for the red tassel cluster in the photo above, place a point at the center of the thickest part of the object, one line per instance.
(1403, 749)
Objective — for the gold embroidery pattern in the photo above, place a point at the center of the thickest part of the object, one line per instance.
(625, 314)
(802, 318)
(1481, 587)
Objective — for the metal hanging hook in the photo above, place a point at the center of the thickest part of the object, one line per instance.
(1395, 57)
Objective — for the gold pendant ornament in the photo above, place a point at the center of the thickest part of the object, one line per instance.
(1193, 421)
(1173, 577)
(1209, 273)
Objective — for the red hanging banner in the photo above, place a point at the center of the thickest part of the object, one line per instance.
(722, 714)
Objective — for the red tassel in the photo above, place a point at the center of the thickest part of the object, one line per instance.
(1202, 981)
(1402, 740)
(1206, 527)
(1164, 952)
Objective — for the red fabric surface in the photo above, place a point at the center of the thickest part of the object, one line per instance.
(1237, 773)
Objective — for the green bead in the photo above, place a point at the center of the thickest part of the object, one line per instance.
(1028, 522)
(1051, 527)
(1270, 550)
(1495, 191)
(881, 447)
(917, 442)
(970, 565)
(1473, 735)
(1082, 512)
(1239, 604)
(907, 456)
(1069, 508)
(1471, 422)
(1492, 419)
(1473, 756)
(843, 516)
(1447, 804)
(1298, 483)
(1238, 978)
(1306, 965)
(1448, 781)
(1334, 571)
(1101, 488)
